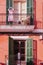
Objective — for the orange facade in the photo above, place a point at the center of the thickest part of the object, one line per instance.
(39, 48)
(4, 48)
(4, 39)
(39, 14)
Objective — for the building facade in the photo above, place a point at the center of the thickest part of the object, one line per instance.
(23, 36)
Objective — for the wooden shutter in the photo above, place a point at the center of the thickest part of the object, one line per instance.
(11, 51)
(8, 4)
(29, 7)
(29, 51)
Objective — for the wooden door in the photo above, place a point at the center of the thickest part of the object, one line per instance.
(11, 51)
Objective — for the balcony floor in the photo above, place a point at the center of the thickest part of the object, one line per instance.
(16, 28)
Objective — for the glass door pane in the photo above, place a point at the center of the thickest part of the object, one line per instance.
(23, 10)
(16, 11)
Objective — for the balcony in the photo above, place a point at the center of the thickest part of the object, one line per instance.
(21, 23)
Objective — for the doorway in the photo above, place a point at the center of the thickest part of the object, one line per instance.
(16, 51)
(21, 50)
(19, 47)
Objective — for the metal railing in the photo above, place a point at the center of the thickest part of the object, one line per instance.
(18, 19)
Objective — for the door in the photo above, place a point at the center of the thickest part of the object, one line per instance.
(19, 51)
(20, 11)
(16, 51)
(13, 51)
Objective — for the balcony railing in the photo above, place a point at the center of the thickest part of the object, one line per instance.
(21, 19)
(20, 23)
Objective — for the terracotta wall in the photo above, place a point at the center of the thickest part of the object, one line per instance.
(3, 47)
(2, 10)
(4, 41)
(39, 13)
(39, 48)
(39, 51)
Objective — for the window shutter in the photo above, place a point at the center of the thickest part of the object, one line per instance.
(11, 51)
(29, 7)
(8, 4)
(29, 50)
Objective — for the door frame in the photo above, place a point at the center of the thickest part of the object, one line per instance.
(21, 38)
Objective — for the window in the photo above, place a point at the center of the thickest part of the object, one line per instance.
(20, 10)
(17, 8)
(23, 10)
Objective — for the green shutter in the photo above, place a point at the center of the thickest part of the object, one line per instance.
(11, 3)
(29, 7)
(11, 51)
(29, 49)
(8, 4)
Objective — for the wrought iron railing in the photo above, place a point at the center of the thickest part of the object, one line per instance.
(18, 19)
